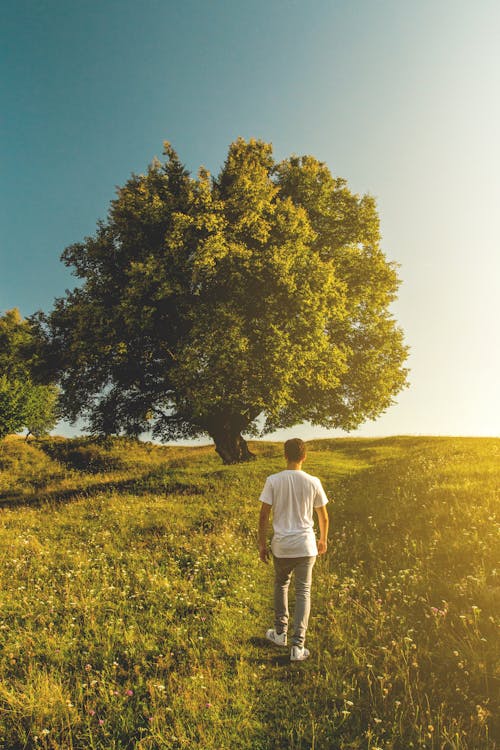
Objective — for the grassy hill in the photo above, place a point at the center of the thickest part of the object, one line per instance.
(133, 603)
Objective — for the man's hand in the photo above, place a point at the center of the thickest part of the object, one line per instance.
(263, 522)
(323, 529)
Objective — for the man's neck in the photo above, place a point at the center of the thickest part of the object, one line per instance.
(294, 465)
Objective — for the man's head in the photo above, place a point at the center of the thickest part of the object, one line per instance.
(295, 450)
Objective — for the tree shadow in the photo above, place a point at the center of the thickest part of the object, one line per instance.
(153, 482)
(57, 497)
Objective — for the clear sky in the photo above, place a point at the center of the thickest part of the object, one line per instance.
(401, 98)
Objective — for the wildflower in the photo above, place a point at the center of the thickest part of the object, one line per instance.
(88, 667)
(438, 612)
(208, 705)
(101, 722)
(482, 713)
(91, 712)
(129, 692)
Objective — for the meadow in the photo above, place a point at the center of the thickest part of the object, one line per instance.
(133, 606)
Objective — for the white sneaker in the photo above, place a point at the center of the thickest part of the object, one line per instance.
(279, 639)
(299, 653)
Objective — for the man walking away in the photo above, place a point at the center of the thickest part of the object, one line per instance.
(293, 495)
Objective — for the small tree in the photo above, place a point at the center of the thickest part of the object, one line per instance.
(228, 306)
(40, 414)
(12, 405)
(23, 404)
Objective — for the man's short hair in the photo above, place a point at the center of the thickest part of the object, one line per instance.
(295, 450)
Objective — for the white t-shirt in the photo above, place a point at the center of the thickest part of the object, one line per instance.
(293, 495)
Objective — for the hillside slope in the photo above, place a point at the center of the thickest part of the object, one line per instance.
(133, 604)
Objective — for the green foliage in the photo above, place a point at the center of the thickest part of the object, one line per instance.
(40, 414)
(13, 399)
(15, 339)
(23, 403)
(253, 300)
(134, 605)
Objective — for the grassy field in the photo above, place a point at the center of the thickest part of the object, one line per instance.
(133, 603)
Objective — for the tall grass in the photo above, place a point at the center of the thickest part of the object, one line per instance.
(133, 604)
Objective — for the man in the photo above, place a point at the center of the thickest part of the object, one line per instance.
(293, 495)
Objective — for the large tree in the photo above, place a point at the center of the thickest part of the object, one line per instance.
(228, 306)
(23, 403)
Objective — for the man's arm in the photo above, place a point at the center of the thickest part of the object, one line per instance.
(265, 512)
(323, 529)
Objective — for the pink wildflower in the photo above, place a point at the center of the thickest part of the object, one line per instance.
(438, 612)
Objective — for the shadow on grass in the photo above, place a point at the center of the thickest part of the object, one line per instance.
(279, 655)
(367, 448)
(151, 483)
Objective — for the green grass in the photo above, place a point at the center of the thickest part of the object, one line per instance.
(133, 603)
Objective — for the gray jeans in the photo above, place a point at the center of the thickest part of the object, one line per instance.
(283, 568)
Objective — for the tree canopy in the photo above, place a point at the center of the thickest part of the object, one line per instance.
(228, 305)
(23, 403)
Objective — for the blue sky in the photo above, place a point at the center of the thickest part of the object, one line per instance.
(400, 98)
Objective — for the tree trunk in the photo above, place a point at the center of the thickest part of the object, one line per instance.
(230, 445)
